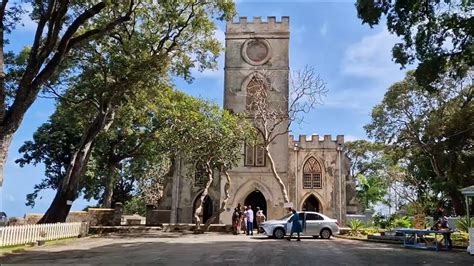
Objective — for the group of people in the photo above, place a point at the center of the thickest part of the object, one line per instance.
(243, 217)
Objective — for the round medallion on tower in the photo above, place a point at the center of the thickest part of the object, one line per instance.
(256, 51)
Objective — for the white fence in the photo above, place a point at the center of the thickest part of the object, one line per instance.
(23, 234)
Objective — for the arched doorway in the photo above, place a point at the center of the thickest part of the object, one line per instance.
(311, 204)
(256, 199)
(207, 208)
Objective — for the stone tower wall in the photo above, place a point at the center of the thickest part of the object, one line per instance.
(241, 64)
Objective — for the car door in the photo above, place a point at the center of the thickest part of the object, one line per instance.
(301, 221)
(313, 224)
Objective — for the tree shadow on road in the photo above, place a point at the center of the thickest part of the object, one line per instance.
(210, 249)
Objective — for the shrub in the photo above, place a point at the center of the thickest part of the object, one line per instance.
(403, 222)
(356, 226)
(370, 231)
(461, 224)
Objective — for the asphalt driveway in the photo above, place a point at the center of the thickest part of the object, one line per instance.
(212, 248)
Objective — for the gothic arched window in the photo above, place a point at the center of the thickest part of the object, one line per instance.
(256, 92)
(255, 153)
(200, 175)
(312, 174)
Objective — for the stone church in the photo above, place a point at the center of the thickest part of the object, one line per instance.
(315, 170)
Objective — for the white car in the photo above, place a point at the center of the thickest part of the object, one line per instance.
(314, 224)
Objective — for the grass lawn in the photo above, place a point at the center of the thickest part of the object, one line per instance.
(19, 248)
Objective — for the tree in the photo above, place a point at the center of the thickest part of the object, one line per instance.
(370, 190)
(437, 34)
(370, 168)
(62, 27)
(112, 70)
(214, 140)
(435, 131)
(271, 119)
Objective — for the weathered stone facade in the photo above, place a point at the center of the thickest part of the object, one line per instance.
(315, 172)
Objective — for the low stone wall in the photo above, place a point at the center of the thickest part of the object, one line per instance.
(156, 217)
(94, 216)
(33, 218)
(73, 217)
(78, 216)
(101, 216)
(99, 230)
(222, 228)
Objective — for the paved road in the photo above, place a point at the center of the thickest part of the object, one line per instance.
(212, 248)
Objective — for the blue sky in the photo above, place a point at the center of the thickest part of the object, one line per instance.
(352, 58)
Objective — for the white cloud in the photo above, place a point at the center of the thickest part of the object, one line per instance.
(356, 99)
(324, 29)
(351, 138)
(371, 58)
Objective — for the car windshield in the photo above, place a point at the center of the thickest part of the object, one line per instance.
(286, 216)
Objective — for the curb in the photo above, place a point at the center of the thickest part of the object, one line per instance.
(455, 248)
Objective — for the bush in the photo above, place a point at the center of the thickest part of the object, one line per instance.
(370, 231)
(135, 206)
(356, 226)
(403, 222)
(383, 221)
(461, 224)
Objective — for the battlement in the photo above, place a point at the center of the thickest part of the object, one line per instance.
(314, 142)
(257, 25)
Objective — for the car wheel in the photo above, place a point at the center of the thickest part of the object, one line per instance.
(279, 233)
(325, 233)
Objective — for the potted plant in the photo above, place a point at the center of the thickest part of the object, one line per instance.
(42, 234)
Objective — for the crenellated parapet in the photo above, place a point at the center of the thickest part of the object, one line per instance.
(271, 25)
(314, 142)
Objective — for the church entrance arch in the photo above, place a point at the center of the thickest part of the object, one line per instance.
(311, 204)
(256, 199)
(207, 208)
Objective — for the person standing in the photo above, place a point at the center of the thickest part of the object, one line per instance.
(243, 220)
(260, 219)
(249, 216)
(236, 221)
(295, 226)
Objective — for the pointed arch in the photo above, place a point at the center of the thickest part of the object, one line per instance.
(247, 187)
(312, 202)
(207, 207)
(312, 174)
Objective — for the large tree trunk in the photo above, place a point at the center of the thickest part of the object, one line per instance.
(109, 187)
(44, 60)
(198, 211)
(457, 201)
(276, 175)
(67, 193)
(223, 204)
(5, 141)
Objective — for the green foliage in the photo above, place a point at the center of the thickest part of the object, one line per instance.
(437, 34)
(434, 133)
(382, 221)
(402, 222)
(462, 224)
(135, 206)
(372, 166)
(370, 190)
(369, 231)
(135, 153)
(356, 226)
